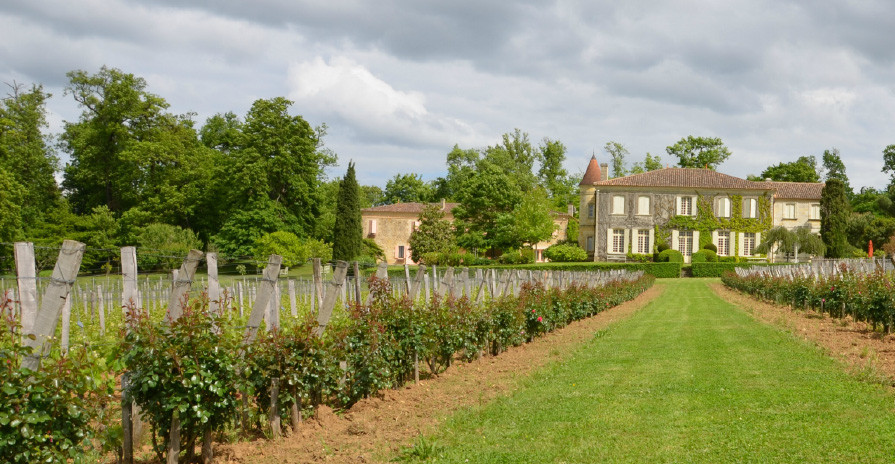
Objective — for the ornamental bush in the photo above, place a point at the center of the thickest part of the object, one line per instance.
(565, 253)
(704, 256)
(671, 256)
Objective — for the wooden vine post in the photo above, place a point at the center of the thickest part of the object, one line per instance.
(26, 276)
(44, 328)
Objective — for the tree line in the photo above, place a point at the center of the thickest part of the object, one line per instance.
(139, 174)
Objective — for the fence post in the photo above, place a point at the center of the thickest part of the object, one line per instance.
(318, 285)
(26, 275)
(357, 278)
(417, 282)
(332, 294)
(64, 274)
(262, 301)
(183, 280)
(292, 303)
(214, 287)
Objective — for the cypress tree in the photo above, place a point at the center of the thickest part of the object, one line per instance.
(347, 231)
(834, 213)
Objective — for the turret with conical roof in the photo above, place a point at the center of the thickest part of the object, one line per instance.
(593, 172)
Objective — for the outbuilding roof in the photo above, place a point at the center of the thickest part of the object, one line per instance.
(410, 207)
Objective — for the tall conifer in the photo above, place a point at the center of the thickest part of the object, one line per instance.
(834, 213)
(347, 231)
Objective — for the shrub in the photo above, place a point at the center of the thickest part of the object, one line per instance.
(661, 246)
(640, 258)
(704, 256)
(187, 367)
(565, 253)
(53, 414)
(671, 256)
(710, 246)
(169, 244)
(515, 257)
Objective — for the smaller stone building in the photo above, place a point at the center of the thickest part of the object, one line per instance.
(390, 227)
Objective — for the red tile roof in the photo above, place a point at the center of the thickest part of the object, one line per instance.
(797, 190)
(593, 172)
(412, 207)
(685, 177)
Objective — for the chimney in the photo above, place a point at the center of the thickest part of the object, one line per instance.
(571, 209)
(604, 170)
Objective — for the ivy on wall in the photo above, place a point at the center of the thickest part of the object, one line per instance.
(705, 220)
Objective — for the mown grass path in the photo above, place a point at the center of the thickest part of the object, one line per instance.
(688, 379)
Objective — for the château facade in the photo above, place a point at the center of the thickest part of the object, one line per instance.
(685, 209)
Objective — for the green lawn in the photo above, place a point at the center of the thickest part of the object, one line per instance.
(690, 378)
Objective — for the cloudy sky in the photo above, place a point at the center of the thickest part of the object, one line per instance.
(399, 82)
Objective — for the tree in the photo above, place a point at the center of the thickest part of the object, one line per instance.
(803, 169)
(116, 112)
(347, 231)
(799, 240)
(834, 215)
(834, 168)
(405, 188)
(528, 223)
(617, 152)
(551, 174)
(516, 157)
(461, 166)
(650, 163)
(862, 228)
(434, 234)
(484, 197)
(699, 152)
(11, 195)
(26, 155)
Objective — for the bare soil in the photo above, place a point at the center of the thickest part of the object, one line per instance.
(865, 351)
(374, 429)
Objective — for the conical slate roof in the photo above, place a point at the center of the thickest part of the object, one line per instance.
(593, 172)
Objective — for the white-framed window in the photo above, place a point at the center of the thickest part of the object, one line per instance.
(643, 241)
(643, 205)
(748, 243)
(723, 243)
(618, 204)
(789, 211)
(617, 246)
(685, 207)
(590, 210)
(372, 227)
(750, 208)
(724, 207)
(685, 242)
(815, 212)
(590, 243)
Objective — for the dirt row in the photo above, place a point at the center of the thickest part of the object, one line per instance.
(868, 353)
(375, 429)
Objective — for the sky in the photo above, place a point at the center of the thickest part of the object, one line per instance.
(398, 83)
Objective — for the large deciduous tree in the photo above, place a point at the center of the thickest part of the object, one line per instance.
(405, 188)
(834, 216)
(434, 235)
(617, 152)
(483, 198)
(26, 156)
(347, 231)
(528, 223)
(650, 163)
(699, 152)
(803, 169)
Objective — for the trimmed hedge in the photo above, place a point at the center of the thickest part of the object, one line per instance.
(718, 269)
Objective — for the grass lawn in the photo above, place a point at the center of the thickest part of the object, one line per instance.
(690, 378)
